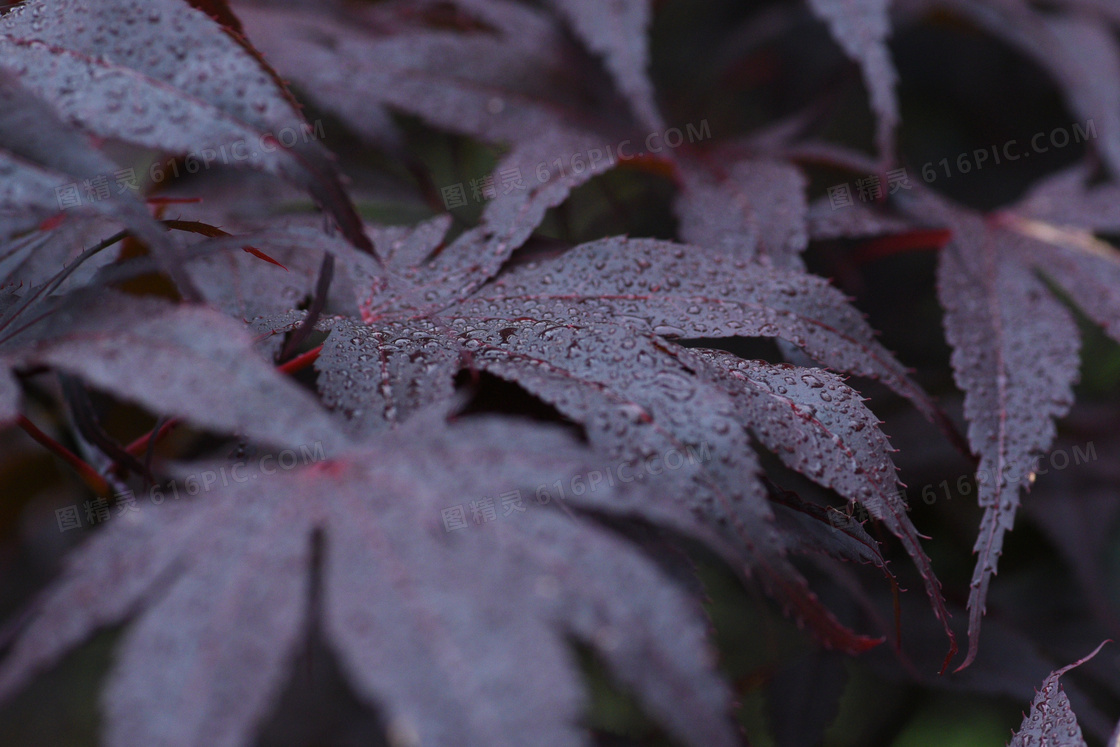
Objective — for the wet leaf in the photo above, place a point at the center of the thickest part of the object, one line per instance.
(440, 655)
(1051, 722)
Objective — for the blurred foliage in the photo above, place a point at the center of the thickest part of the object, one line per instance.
(960, 91)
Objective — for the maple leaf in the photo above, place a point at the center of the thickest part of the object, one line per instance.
(566, 329)
(749, 208)
(617, 30)
(41, 155)
(1015, 343)
(509, 220)
(170, 79)
(820, 427)
(440, 653)
(1066, 199)
(483, 82)
(478, 80)
(1051, 722)
(854, 221)
(193, 363)
(1015, 355)
(680, 291)
(454, 271)
(433, 637)
(40, 152)
(773, 228)
(861, 28)
(1015, 348)
(430, 72)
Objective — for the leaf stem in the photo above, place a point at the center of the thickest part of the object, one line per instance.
(301, 361)
(141, 445)
(87, 473)
(888, 246)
